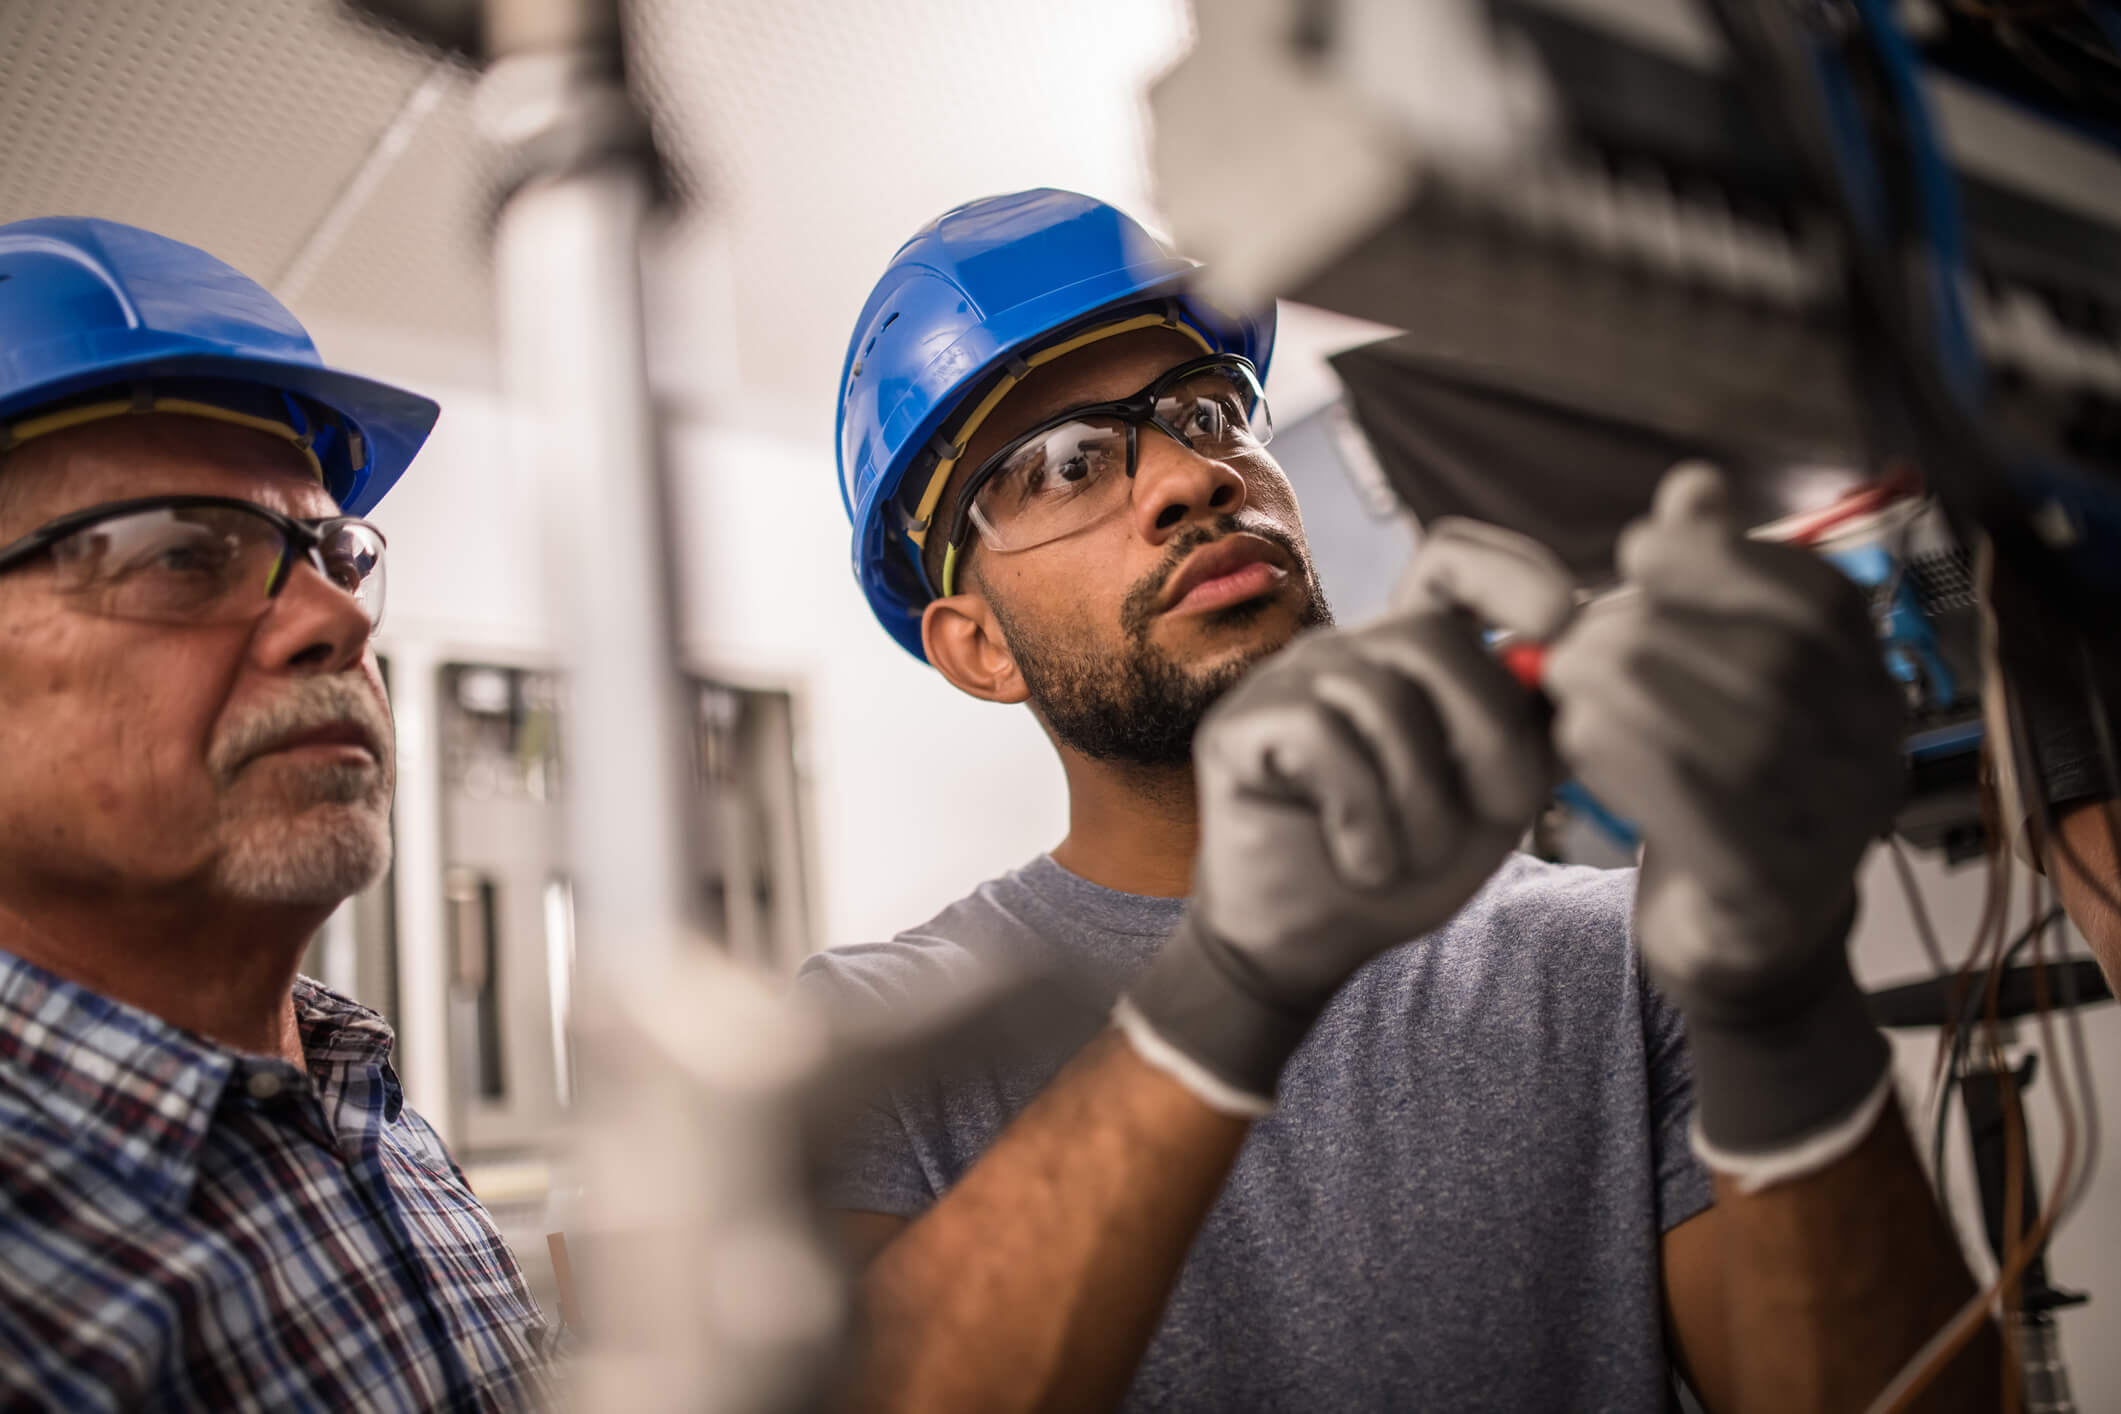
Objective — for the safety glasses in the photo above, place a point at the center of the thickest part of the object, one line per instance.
(199, 559)
(1077, 467)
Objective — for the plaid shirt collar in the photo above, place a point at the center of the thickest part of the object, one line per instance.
(139, 1094)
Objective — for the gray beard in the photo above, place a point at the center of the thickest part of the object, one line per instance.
(1142, 707)
(326, 849)
(321, 836)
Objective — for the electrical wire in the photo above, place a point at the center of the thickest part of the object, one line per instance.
(2015, 1149)
(1938, 1351)
(2101, 719)
(1960, 1034)
(1919, 911)
(1937, 199)
(1808, 88)
(2072, 1176)
(2087, 1093)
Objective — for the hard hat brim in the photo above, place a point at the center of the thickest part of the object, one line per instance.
(394, 421)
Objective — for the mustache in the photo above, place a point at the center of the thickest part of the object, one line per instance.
(1139, 607)
(308, 704)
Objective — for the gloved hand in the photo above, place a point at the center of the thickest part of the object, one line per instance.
(1736, 707)
(1354, 792)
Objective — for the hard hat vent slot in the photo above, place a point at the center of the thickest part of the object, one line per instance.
(856, 371)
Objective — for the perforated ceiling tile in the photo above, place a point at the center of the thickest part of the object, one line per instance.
(414, 253)
(228, 123)
(811, 137)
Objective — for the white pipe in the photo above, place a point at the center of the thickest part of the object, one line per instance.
(571, 322)
(422, 1058)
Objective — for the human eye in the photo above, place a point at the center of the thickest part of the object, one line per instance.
(194, 556)
(1210, 419)
(342, 571)
(1063, 464)
(172, 550)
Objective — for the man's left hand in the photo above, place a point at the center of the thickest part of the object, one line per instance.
(1733, 702)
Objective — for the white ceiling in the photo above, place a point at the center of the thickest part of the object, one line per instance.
(335, 162)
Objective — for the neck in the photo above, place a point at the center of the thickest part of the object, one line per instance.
(226, 972)
(1130, 828)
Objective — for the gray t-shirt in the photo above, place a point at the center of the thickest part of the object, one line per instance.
(1458, 1201)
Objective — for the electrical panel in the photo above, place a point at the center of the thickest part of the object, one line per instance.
(748, 832)
(508, 905)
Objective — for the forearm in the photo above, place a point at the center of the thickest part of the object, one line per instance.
(2089, 829)
(1038, 1280)
(1834, 1279)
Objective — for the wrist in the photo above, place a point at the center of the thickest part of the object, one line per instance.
(1785, 1093)
(1202, 1014)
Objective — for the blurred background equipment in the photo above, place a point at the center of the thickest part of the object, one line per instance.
(705, 1284)
(1656, 264)
(1575, 247)
(1866, 256)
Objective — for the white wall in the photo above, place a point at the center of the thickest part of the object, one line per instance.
(916, 792)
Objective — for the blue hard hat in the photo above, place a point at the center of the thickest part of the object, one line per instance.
(98, 318)
(975, 291)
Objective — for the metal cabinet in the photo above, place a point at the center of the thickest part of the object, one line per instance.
(748, 826)
(508, 906)
(509, 909)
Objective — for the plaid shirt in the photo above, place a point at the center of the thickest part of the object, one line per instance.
(184, 1227)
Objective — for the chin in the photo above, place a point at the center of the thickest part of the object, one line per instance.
(1255, 627)
(320, 857)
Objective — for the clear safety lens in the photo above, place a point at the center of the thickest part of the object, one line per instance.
(1058, 482)
(1220, 411)
(1078, 472)
(205, 564)
(351, 554)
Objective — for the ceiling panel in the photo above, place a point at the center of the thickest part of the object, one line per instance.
(335, 161)
(231, 124)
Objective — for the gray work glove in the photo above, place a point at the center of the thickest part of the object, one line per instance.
(1735, 706)
(1354, 792)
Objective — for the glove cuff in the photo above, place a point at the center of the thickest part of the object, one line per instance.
(1197, 1015)
(1779, 1098)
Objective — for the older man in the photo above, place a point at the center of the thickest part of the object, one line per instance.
(212, 1194)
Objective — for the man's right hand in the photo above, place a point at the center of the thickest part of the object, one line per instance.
(1355, 792)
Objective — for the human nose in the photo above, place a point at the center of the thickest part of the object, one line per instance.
(1173, 484)
(313, 626)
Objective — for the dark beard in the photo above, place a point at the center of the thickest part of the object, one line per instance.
(1142, 707)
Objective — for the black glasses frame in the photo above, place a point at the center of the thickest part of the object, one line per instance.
(1137, 410)
(303, 536)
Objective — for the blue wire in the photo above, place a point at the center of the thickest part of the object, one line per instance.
(1859, 170)
(1938, 193)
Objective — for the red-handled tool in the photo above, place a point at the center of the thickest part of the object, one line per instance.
(1525, 659)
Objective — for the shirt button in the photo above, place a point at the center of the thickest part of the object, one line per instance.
(263, 1085)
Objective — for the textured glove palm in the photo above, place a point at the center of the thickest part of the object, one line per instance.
(1354, 792)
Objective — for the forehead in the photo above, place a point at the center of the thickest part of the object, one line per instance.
(155, 454)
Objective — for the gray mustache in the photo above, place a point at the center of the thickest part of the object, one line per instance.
(307, 704)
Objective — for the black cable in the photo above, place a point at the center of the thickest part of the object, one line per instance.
(1963, 1031)
(2103, 733)
(1776, 57)
(2032, 772)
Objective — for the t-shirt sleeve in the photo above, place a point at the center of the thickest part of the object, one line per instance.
(867, 1161)
(1684, 1187)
